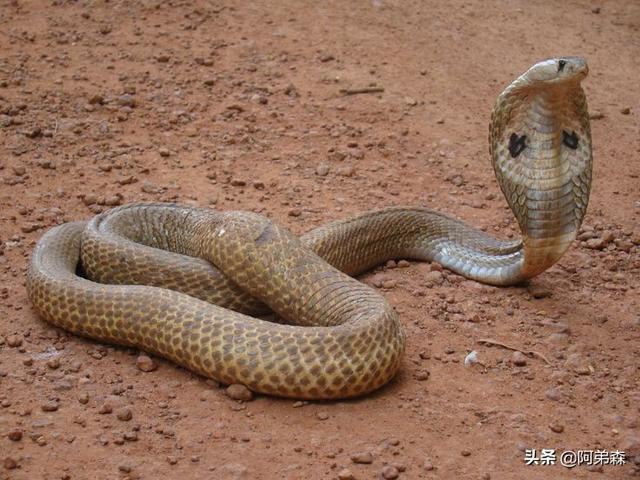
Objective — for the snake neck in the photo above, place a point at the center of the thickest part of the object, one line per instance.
(541, 150)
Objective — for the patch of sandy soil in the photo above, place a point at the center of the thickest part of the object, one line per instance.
(238, 105)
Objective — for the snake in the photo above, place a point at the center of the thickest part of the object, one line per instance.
(234, 297)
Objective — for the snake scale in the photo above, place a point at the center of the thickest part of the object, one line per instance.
(182, 282)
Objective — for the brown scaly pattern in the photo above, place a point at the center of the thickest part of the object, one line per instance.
(179, 281)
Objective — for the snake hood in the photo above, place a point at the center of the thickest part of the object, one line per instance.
(540, 143)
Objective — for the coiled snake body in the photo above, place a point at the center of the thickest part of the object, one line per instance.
(154, 285)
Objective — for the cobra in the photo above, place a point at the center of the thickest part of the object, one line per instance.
(183, 282)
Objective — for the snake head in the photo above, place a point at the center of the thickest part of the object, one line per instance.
(555, 71)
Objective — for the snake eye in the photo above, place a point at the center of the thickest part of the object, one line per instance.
(561, 64)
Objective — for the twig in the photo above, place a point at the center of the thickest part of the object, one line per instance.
(355, 91)
(528, 353)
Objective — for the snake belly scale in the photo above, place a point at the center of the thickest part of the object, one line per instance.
(183, 282)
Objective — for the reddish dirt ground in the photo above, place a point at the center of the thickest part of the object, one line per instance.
(237, 105)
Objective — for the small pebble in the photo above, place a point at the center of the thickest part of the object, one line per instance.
(51, 406)
(128, 180)
(15, 435)
(34, 132)
(113, 200)
(538, 291)
(471, 359)
(90, 199)
(390, 473)
(347, 171)
(14, 341)
(553, 394)
(46, 165)
(596, 244)
(30, 227)
(63, 385)
(362, 457)
(518, 359)
(10, 463)
(337, 156)
(556, 427)
(145, 363)
(124, 414)
(290, 90)
(239, 392)
(389, 284)
(457, 180)
(149, 187)
(5, 120)
(412, 102)
(126, 100)
(578, 364)
(53, 363)
(96, 99)
(322, 416)
(433, 278)
(345, 474)
(322, 170)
